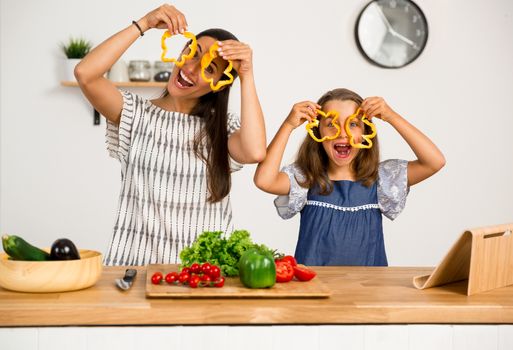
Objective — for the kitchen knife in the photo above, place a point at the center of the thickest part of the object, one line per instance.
(126, 282)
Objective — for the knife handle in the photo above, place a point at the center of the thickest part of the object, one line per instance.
(129, 275)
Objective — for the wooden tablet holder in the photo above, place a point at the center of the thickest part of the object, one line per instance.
(482, 255)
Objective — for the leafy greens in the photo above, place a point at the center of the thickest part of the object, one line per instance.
(212, 247)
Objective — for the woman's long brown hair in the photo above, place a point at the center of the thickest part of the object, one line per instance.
(313, 160)
(211, 143)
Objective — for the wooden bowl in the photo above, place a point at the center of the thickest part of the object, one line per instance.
(51, 276)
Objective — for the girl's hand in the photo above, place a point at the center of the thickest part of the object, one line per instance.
(377, 107)
(301, 112)
(241, 55)
(164, 17)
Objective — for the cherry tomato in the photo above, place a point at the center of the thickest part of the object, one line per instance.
(195, 268)
(290, 259)
(186, 269)
(303, 273)
(206, 278)
(218, 283)
(193, 281)
(183, 277)
(284, 271)
(205, 268)
(172, 277)
(156, 278)
(215, 272)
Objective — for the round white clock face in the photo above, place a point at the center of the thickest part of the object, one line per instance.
(391, 33)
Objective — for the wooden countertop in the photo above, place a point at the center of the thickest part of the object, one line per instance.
(361, 295)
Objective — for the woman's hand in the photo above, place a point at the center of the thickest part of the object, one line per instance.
(164, 17)
(377, 107)
(238, 52)
(302, 111)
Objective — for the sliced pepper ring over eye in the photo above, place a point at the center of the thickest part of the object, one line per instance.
(315, 123)
(360, 114)
(193, 46)
(207, 58)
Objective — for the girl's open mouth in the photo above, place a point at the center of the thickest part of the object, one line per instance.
(342, 150)
(183, 81)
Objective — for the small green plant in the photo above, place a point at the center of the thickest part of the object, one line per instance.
(76, 48)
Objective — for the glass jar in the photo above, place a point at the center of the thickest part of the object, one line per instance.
(118, 72)
(162, 70)
(139, 70)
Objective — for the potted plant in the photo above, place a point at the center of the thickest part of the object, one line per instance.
(75, 50)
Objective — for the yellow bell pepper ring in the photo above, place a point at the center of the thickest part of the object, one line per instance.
(315, 123)
(207, 58)
(193, 46)
(368, 137)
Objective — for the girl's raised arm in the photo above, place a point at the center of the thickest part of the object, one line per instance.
(268, 177)
(429, 158)
(101, 92)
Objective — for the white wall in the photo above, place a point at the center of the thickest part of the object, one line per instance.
(57, 179)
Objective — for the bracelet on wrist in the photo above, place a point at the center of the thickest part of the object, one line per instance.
(138, 27)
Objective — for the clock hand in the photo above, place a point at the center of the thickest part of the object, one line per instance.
(384, 18)
(403, 38)
(392, 30)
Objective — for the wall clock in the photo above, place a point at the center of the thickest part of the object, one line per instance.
(391, 33)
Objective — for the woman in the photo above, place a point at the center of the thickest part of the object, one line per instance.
(177, 151)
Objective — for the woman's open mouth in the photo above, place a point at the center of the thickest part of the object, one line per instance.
(183, 81)
(342, 150)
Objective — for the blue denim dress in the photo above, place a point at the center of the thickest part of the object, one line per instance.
(345, 227)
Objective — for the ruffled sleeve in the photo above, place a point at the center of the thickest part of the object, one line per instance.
(288, 205)
(119, 137)
(392, 187)
(233, 125)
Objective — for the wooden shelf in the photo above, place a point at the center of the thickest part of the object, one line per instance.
(128, 84)
(123, 84)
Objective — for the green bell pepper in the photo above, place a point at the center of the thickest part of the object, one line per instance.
(257, 269)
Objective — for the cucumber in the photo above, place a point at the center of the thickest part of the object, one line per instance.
(19, 249)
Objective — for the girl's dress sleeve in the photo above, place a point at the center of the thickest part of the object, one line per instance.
(392, 187)
(288, 205)
(233, 125)
(119, 137)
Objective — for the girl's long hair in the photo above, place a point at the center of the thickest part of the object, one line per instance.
(313, 160)
(211, 143)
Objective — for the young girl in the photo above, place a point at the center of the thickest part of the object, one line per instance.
(341, 191)
(177, 151)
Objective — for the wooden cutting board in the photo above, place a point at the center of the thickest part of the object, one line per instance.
(233, 288)
(483, 255)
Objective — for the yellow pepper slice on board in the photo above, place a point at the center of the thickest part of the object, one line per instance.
(193, 47)
(315, 124)
(357, 114)
(205, 62)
